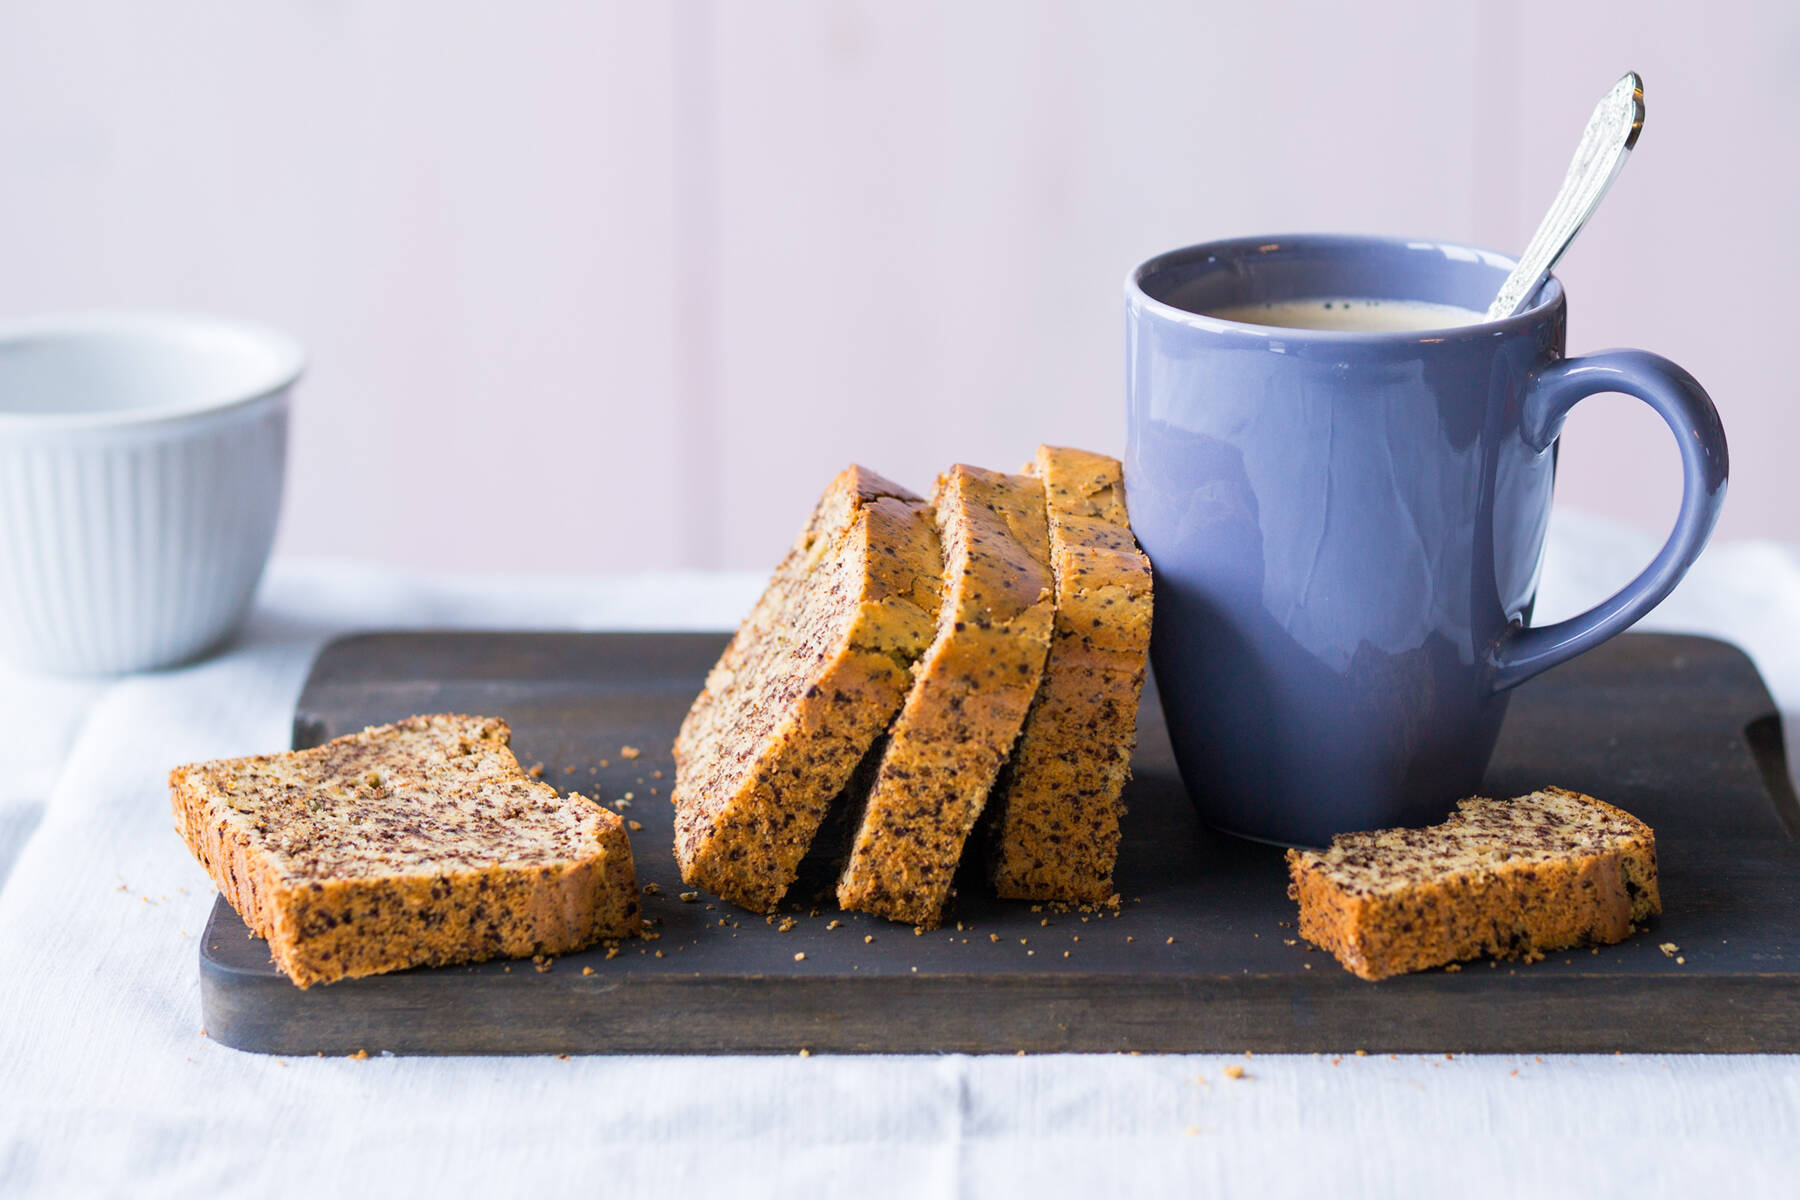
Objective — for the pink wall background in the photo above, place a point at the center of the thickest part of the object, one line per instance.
(621, 285)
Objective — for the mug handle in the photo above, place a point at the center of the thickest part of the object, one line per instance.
(1523, 652)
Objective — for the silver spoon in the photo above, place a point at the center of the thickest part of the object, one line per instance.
(1610, 134)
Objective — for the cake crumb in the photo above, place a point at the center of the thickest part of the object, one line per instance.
(800, 956)
(1668, 949)
(535, 770)
(634, 826)
(587, 970)
(360, 1056)
(1234, 1072)
(805, 1053)
(689, 897)
(834, 924)
(867, 938)
(629, 751)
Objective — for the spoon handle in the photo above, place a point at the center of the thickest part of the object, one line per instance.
(1610, 134)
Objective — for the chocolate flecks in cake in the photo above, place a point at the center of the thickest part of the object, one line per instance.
(319, 816)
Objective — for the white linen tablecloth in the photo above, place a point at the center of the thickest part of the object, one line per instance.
(108, 1086)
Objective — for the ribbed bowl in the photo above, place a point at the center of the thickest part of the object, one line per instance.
(134, 525)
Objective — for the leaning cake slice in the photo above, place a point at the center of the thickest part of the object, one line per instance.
(970, 695)
(1506, 878)
(1056, 828)
(813, 676)
(413, 844)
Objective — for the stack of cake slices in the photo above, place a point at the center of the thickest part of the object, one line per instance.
(980, 652)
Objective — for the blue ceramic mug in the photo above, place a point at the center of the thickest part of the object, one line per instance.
(1346, 526)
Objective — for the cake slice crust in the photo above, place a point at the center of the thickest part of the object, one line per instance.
(968, 698)
(807, 684)
(412, 844)
(1056, 829)
(1501, 878)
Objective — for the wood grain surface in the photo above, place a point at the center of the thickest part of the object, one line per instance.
(1201, 957)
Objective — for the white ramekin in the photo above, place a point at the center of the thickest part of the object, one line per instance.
(141, 465)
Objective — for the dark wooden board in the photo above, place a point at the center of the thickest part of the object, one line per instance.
(1678, 730)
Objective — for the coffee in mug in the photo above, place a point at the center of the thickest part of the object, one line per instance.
(1349, 314)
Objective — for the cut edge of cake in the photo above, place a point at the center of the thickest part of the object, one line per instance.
(1056, 827)
(1515, 878)
(968, 698)
(811, 678)
(323, 926)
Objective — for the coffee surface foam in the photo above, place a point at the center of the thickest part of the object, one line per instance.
(1350, 314)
